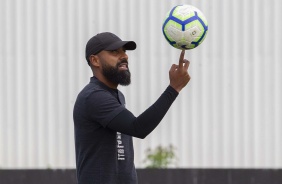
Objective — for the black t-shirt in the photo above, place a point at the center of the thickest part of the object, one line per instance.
(104, 130)
(102, 155)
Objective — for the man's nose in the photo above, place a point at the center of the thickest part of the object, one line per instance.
(124, 55)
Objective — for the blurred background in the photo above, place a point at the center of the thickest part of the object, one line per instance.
(229, 115)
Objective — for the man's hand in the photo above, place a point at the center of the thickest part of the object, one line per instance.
(178, 74)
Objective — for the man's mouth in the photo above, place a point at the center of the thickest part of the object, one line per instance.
(123, 66)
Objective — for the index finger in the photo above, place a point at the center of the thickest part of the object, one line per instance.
(181, 58)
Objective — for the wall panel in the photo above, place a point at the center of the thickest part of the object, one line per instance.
(229, 115)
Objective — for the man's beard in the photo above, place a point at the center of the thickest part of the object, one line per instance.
(116, 76)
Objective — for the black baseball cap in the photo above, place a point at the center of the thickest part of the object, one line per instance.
(106, 41)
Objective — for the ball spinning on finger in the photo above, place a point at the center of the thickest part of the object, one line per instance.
(185, 27)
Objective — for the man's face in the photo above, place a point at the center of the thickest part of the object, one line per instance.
(117, 74)
(115, 69)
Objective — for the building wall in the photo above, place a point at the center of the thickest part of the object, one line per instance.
(229, 115)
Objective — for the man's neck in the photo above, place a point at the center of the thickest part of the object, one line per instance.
(106, 81)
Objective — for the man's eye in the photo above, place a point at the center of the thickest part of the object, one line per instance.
(114, 51)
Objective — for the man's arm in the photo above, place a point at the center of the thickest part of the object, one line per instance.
(125, 122)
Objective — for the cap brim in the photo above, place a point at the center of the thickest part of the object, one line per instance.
(127, 45)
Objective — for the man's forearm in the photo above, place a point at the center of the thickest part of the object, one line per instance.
(146, 122)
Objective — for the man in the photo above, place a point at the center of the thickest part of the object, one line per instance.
(103, 126)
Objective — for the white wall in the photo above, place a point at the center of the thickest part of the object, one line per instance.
(229, 115)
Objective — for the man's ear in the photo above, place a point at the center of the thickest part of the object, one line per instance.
(94, 60)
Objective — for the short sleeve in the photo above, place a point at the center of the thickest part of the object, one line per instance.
(103, 106)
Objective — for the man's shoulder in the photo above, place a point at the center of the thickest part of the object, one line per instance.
(93, 86)
(93, 90)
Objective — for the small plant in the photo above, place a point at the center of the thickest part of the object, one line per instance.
(161, 157)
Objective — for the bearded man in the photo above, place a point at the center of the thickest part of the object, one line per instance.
(103, 126)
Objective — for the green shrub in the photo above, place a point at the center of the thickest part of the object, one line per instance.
(161, 157)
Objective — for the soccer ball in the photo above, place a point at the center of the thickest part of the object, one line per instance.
(185, 27)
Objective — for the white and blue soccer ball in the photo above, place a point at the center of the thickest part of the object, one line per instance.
(185, 27)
